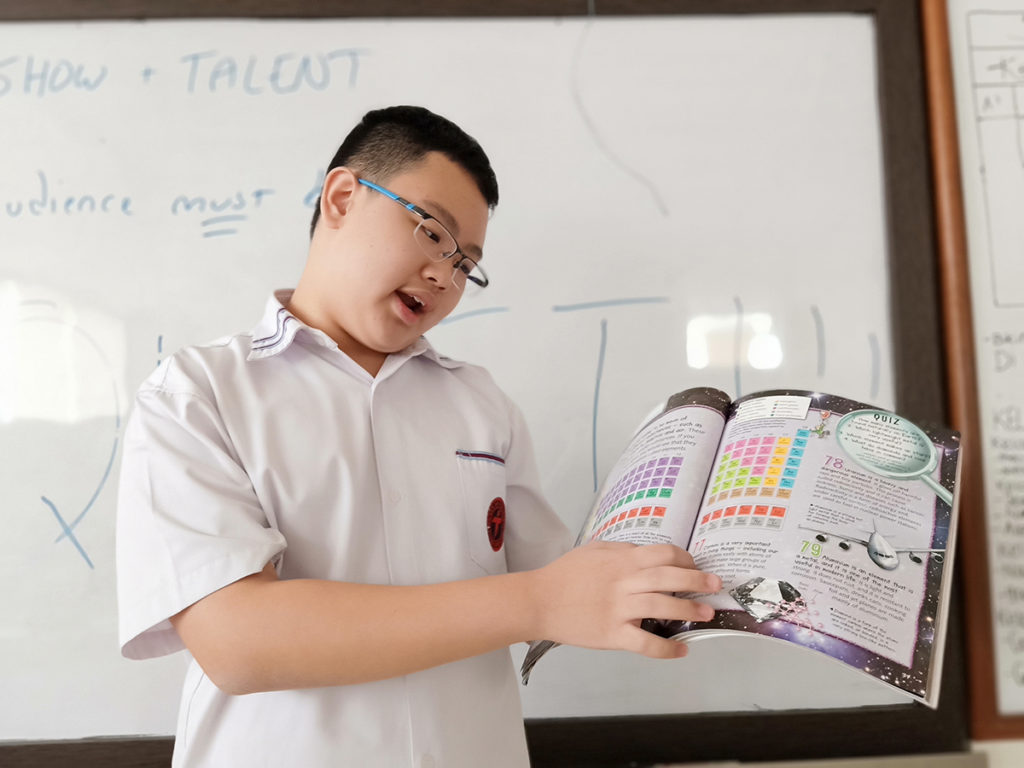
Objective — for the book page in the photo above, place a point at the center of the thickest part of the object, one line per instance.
(653, 493)
(828, 521)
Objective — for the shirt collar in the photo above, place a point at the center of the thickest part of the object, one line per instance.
(278, 328)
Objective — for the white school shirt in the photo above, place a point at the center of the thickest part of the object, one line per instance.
(274, 446)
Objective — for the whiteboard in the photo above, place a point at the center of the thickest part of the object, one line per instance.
(987, 47)
(685, 201)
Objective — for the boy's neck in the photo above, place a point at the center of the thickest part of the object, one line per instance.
(370, 360)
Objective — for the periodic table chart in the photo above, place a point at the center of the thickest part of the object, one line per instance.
(753, 481)
(639, 499)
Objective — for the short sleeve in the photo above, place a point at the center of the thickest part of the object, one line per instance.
(188, 519)
(535, 535)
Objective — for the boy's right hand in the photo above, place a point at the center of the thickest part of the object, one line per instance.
(595, 596)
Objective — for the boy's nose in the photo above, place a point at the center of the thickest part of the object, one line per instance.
(439, 273)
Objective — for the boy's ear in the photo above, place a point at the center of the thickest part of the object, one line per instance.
(340, 186)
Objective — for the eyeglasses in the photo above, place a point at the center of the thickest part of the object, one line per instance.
(437, 243)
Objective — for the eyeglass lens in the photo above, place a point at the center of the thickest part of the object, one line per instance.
(438, 244)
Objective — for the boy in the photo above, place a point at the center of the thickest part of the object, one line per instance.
(344, 525)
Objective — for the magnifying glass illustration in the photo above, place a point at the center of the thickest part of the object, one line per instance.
(890, 446)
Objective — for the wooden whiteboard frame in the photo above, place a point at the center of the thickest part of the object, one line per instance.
(986, 721)
(919, 381)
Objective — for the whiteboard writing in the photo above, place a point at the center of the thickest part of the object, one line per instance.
(45, 77)
(43, 200)
(208, 71)
(987, 42)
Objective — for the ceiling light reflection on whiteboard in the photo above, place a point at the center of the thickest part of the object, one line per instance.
(711, 341)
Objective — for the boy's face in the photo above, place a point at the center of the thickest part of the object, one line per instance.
(368, 284)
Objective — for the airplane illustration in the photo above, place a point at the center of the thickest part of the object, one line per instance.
(882, 553)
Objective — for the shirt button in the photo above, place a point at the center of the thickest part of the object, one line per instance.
(427, 761)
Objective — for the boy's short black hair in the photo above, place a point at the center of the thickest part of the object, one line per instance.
(388, 141)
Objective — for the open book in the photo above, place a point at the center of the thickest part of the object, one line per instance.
(830, 522)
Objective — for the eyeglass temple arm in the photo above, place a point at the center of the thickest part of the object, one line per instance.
(405, 203)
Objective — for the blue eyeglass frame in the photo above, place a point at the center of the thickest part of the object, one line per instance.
(480, 280)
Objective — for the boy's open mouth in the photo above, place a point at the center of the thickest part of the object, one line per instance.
(412, 302)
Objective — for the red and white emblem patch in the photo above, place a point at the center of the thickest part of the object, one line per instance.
(496, 523)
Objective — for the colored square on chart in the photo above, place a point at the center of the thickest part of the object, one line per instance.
(761, 509)
(781, 451)
(771, 482)
(652, 492)
(778, 512)
(768, 440)
(783, 493)
(774, 471)
(777, 461)
(793, 462)
(765, 450)
(663, 462)
(740, 443)
(751, 491)
(714, 489)
(741, 482)
(733, 463)
(634, 512)
(786, 482)
(785, 440)
(704, 520)
(716, 515)
(744, 471)
(659, 511)
(730, 511)
(760, 461)
(645, 512)
(768, 491)
(676, 461)
(746, 509)
(664, 493)
(730, 473)
(797, 452)
(751, 451)
(753, 480)
(789, 472)
(803, 433)
(726, 484)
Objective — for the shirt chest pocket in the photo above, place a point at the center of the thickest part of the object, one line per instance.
(482, 476)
